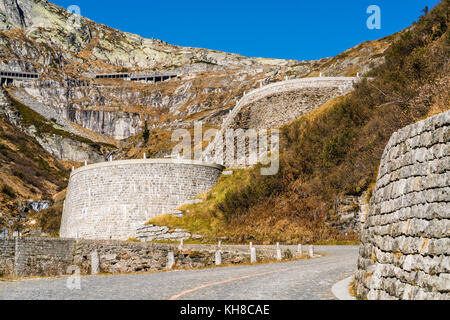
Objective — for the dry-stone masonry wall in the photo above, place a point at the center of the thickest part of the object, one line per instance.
(54, 257)
(343, 83)
(276, 104)
(112, 200)
(126, 257)
(7, 252)
(279, 108)
(405, 251)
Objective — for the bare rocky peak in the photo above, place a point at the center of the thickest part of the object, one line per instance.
(46, 22)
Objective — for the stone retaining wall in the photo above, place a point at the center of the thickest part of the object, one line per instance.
(129, 257)
(112, 200)
(7, 253)
(35, 256)
(54, 257)
(405, 251)
(279, 108)
(281, 103)
(344, 83)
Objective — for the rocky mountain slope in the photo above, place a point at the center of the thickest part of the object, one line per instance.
(100, 114)
(40, 36)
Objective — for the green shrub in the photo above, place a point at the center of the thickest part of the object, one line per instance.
(49, 220)
(146, 133)
(18, 174)
(7, 190)
(288, 254)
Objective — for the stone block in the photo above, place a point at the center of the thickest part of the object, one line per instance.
(405, 241)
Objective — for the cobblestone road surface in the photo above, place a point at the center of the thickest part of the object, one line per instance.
(299, 280)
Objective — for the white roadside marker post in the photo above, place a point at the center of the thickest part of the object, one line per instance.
(311, 251)
(279, 257)
(95, 263)
(218, 258)
(170, 260)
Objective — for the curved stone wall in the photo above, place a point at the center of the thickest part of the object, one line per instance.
(405, 250)
(310, 93)
(277, 109)
(112, 200)
(345, 83)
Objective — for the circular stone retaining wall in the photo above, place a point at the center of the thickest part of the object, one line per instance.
(111, 200)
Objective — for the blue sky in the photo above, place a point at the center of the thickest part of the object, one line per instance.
(287, 29)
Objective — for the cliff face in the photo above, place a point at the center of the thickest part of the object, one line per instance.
(406, 238)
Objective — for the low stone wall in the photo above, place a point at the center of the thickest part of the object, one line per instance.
(7, 253)
(405, 250)
(35, 256)
(54, 257)
(128, 257)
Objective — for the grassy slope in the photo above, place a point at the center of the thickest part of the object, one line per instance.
(333, 152)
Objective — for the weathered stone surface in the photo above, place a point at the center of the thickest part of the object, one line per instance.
(406, 238)
(95, 263)
(282, 102)
(111, 200)
(152, 233)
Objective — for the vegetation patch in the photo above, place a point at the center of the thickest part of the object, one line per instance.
(49, 220)
(7, 190)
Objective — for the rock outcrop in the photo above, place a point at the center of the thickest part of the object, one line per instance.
(63, 146)
(405, 251)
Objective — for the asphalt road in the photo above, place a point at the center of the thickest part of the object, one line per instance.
(310, 279)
